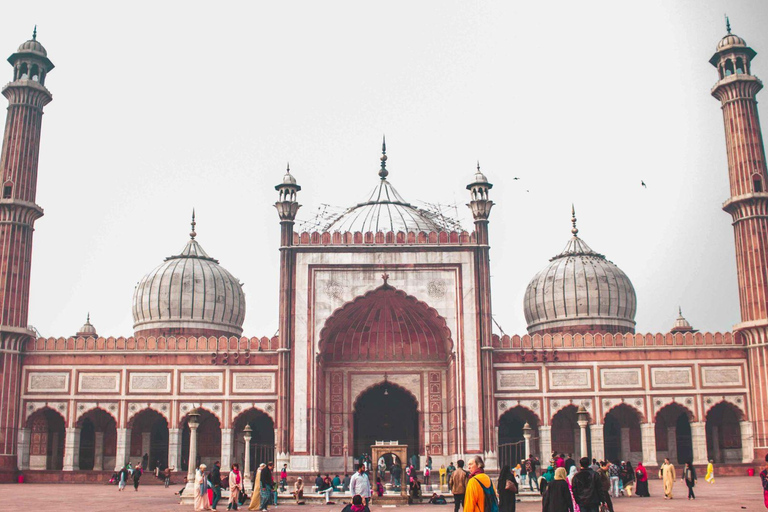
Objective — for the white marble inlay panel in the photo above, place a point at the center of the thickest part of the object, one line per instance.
(575, 378)
(721, 376)
(611, 378)
(671, 377)
(143, 382)
(253, 382)
(98, 382)
(513, 380)
(205, 382)
(48, 381)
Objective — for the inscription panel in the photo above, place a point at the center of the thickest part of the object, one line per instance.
(202, 382)
(721, 376)
(253, 382)
(515, 380)
(611, 378)
(48, 381)
(98, 382)
(576, 378)
(672, 377)
(146, 382)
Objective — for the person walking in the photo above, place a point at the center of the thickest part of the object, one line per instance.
(167, 472)
(558, 495)
(255, 503)
(569, 463)
(235, 487)
(523, 473)
(764, 481)
(478, 484)
(361, 484)
(215, 478)
(137, 476)
(201, 489)
(642, 481)
(587, 487)
(507, 487)
(122, 478)
(667, 474)
(530, 469)
(266, 485)
(458, 485)
(449, 472)
(710, 476)
(613, 473)
(627, 477)
(427, 471)
(689, 477)
(283, 477)
(605, 488)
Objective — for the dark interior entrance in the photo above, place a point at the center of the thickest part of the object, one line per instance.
(386, 413)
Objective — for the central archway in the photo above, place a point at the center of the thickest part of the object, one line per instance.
(386, 412)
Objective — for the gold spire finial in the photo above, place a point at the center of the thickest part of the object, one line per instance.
(383, 172)
(192, 233)
(574, 229)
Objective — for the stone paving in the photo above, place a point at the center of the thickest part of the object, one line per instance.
(728, 494)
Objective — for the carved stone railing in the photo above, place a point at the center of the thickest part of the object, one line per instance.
(169, 344)
(608, 341)
(384, 238)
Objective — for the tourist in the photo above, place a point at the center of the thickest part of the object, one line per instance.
(474, 498)
(396, 475)
(336, 483)
(235, 487)
(667, 474)
(266, 485)
(145, 461)
(530, 469)
(689, 477)
(255, 503)
(298, 490)
(587, 487)
(507, 488)
(710, 476)
(324, 486)
(605, 488)
(627, 475)
(283, 477)
(764, 481)
(379, 487)
(137, 476)
(642, 481)
(523, 472)
(559, 462)
(613, 472)
(442, 475)
(415, 493)
(201, 489)
(345, 482)
(361, 484)
(558, 496)
(215, 478)
(167, 472)
(123, 478)
(546, 478)
(426, 475)
(449, 472)
(570, 476)
(357, 505)
(458, 485)
(569, 463)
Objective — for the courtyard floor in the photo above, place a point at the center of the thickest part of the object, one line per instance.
(728, 494)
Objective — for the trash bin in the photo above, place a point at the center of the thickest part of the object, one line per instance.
(751, 472)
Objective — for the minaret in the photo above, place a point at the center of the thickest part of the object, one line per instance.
(287, 207)
(27, 96)
(748, 206)
(481, 208)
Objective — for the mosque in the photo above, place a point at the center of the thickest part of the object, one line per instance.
(385, 333)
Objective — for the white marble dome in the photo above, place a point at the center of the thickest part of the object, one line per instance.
(580, 291)
(189, 294)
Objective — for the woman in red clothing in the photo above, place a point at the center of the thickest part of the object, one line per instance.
(642, 481)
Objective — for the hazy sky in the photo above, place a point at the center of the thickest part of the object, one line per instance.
(160, 107)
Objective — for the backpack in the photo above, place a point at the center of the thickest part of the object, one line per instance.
(491, 503)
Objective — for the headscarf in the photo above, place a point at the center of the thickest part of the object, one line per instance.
(570, 473)
(560, 474)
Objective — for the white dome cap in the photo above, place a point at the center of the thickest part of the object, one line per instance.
(189, 294)
(580, 291)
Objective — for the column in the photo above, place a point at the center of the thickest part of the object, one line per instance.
(648, 433)
(598, 447)
(72, 449)
(583, 438)
(192, 457)
(123, 447)
(22, 448)
(174, 447)
(747, 442)
(624, 443)
(226, 449)
(545, 443)
(527, 437)
(672, 444)
(247, 462)
(699, 442)
(98, 452)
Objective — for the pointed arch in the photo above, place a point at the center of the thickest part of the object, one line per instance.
(90, 409)
(385, 324)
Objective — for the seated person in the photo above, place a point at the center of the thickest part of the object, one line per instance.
(437, 500)
(416, 490)
(324, 487)
(298, 491)
(379, 487)
(357, 505)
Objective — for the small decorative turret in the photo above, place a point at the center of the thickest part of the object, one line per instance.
(480, 204)
(681, 324)
(87, 330)
(286, 204)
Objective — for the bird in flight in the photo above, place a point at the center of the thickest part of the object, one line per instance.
(515, 178)
(643, 184)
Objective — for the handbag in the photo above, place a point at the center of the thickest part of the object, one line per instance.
(510, 485)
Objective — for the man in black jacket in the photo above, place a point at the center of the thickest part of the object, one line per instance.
(216, 482)
(586, 488)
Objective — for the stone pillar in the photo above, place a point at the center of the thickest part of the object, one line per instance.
(247, 462)
(146, 439)
(226, 448)
(598, 447)
(123, 447)
(699, 442)
(192, 457)
(747, 442)
(583, 439)
(98, 452)
(527, 437)
(648, 434)
(174, 448)
(545, 443)
(22, 448)
(672, 445)
(72, 449)
(625, 450)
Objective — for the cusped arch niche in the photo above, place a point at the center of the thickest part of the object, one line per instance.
(385, 325)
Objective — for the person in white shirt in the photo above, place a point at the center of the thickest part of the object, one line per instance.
(361, 484)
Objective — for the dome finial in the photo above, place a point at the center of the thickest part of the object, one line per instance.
(88, 318)
(478, 166)
(288, 168)
(34, 34)
(727, 24)
(383, 172)
(680, 310)
(192, 233)
(574, 229)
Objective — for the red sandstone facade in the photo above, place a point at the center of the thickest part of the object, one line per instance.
(383, 314)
